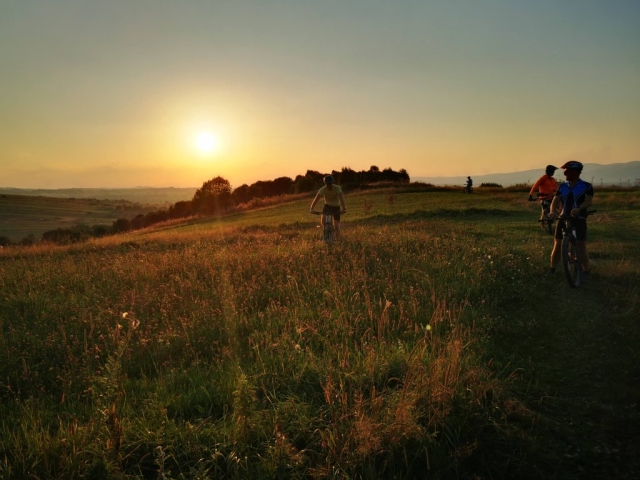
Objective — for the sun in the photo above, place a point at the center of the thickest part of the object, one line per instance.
(206, 143)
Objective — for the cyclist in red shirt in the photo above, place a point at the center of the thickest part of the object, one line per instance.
(546, 187)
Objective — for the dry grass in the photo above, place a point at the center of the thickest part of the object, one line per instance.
(256, 352)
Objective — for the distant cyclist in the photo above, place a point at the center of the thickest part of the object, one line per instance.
(574, 196)
(546, 187)
(469, 187)
(333, 200)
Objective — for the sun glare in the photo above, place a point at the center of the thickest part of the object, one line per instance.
(206, 142)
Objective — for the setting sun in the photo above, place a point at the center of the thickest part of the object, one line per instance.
(206, 142)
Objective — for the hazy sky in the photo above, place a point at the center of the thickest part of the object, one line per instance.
(114, 93)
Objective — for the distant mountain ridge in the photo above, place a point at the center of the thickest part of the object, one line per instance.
(160, 196)
(626, 174)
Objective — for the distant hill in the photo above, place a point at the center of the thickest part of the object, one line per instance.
(142, 195)
(626, 174)
(21, 215)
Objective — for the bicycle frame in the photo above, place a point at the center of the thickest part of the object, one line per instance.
(328, 230)
(546, 222)
(571, 261)
(327, 233)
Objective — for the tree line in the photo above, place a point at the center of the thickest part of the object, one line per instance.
(216, 197)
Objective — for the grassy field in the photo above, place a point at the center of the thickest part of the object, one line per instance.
(428, 343)
(21, 216)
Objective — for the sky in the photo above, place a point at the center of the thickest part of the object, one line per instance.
(117, 94)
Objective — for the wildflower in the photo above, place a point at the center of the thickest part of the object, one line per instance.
(125, 314)
(428, 327)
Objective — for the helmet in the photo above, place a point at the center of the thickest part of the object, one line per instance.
(572, 165)
(550, 170)
(328, 180)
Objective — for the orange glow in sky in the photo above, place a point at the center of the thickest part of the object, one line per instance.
(115, 94)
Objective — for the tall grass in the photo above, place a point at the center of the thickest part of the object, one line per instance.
(256, 352)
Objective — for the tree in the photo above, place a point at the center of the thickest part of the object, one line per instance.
(241, 194)
(152, 218)
(121, 225)
(213, 197)
(348, 176)
(181, 209)
(303, 184)
(281, 185)
(100, 231)
(373, 175)
(137, 222)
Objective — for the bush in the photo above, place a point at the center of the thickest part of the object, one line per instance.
(64, 236)
(28, 240)
(121, 225)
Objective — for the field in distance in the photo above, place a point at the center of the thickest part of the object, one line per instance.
(163, 196)
(22, 216)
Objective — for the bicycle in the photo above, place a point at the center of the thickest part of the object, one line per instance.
(467, 189)
(571, 261)
(328, 233)
(546, 222)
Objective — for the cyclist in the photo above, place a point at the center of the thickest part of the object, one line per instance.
(469, 186)
(546, 186)
(333, 200)
(575, 196)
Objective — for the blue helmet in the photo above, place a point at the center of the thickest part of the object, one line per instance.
(572, 165)
(328, 180)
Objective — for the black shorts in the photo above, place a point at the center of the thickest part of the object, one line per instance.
(581, 229)
(335, 210)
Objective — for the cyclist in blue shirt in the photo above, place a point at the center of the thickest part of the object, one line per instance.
(574, 196)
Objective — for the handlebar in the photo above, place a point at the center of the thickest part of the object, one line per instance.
(583, 215)
(314, 212)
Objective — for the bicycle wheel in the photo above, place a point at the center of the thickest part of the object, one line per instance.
(545, 223)
(571, 261)
(328, 233)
